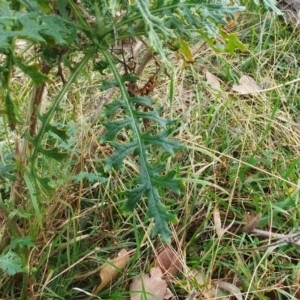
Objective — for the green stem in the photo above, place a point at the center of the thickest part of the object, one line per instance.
(10, 222)
(125, 96)
(53, 109)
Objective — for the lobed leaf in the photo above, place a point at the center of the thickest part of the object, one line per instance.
(161, 140)
(11, 263)
(154, 116)
(33, 25)
(32, 71)
(149, 180)
(121, 151)
(54, 153)
(114, 127)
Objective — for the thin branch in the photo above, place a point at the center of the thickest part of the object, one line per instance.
(292, 238)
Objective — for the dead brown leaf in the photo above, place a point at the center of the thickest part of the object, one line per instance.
(251, 222)
(110, 270)
(247, 86)
(150, 285)
(213, 80)
(168, 262)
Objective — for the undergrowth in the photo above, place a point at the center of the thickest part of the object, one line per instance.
(109, 108)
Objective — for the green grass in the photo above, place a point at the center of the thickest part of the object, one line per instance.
(242, 156)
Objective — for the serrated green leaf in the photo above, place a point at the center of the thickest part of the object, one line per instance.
(63, 9)
(25, 241)
(106, 85)
(100, 66)
(153, 116)
(12, 109)
(161, 215)
(271, 4)
(91, 177)
(162, 140)
(32, 71)
(20, 214)
(114, 127)
(149, 180)
(62, 133)
(143, 100)
(134, 196)
(113, 107)
(54, 153)
(11, 263)
(5, 171)
(44, 184)
(34, 26)
(168, 181)
(110, 84)
(28, 137)
(121, 151)
(31, 5)
(232, 43)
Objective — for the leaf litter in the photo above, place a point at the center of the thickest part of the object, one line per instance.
(247, 85)
(111, 269)
(150, 286)
(215, 289)
(213, 80)
(168, 262)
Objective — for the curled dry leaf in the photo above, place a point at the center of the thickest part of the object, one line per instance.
(213, 80)
(168, 262)
(110, 270)
(220, 231)
(247, 86)
(150, 286)
(218, 223)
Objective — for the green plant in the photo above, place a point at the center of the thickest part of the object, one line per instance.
(57, 36)
(34, 169)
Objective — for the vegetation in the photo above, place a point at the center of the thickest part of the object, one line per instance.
(128, 125)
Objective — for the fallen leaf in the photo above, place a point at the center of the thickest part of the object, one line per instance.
(150, 286)
(232, 23)
(111, 269)
(168, 262)
(218, 223)
(251, 222)
(220, 231)
(213, 80)
(229, 287)
(247, 86)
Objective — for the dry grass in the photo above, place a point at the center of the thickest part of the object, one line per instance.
(241, 156)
